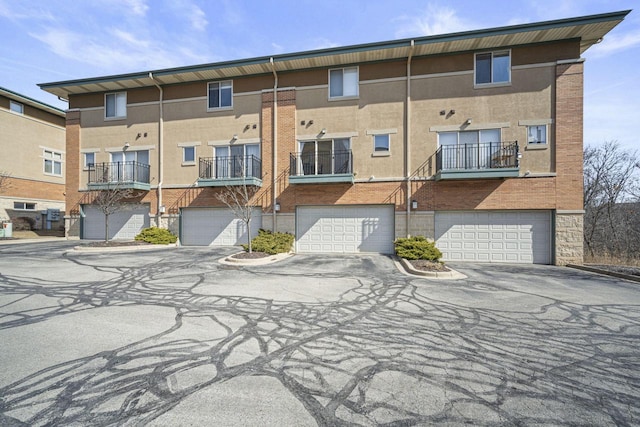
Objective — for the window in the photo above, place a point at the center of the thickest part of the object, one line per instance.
(188, 154)
(343, 82)
(24, 206)
(493, 67)
(469, 149)
(230, 159)
(115, 105)
(537, 134)
(220, 95)
(325, 157)
(89, 160)
(52, 163)
(381, 143)
(16, 107)
(132, 166)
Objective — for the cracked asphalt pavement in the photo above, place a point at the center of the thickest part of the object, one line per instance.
(172, 337)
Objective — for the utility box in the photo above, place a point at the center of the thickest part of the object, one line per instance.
(7, 230)
(53, 214)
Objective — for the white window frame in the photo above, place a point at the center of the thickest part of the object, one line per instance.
(49, 156)
(119, 115)
(339, 97)
(220, 106)
(543, 143)
(16, 107)
(184, 152)
(24, 206)
(386, 151)
(491, 83)
(85, 163)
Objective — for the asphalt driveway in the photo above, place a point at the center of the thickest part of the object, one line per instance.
(174, 338)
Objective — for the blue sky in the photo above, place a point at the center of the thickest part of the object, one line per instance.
(53, 40)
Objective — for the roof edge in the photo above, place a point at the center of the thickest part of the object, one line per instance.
(31, 101)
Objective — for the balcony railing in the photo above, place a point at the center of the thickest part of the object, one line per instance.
(121, 174)
(323, 166)
(230, 170)
(479, 160)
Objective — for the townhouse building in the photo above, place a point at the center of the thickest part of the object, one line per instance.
(473, 139)
(32, 162)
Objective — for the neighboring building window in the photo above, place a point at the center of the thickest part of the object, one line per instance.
(343, 82)
(115, 105)
(381, 143)
(188, 154)
(89, 160)
(220, 94)
(16, 107)
(230, 159)
(537, 134)
(52, 163)
(24, 206)
(493, 67)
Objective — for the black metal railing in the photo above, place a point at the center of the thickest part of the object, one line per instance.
(485, 155)
(230, 167)
(118, 172)
(321, 163)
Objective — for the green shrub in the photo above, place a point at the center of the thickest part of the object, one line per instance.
(271, 243)
(417, 247)
(157, 236)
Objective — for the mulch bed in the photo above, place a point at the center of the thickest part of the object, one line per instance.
(252, 255)
(424, 265)
(116, 244)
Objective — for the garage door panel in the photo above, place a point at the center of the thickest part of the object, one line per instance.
(216, 227)
(345, 229)
(125, 224)
(514, 237)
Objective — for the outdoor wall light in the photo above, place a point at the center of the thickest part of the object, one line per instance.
(277, 207)
(468, 122)
(127, 145)
(235, 137)
(414, 204)
(323, 131)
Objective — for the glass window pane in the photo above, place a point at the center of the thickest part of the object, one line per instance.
(501, 65)
(188, 154)
(490, 135)
(253, 150)
(117, 157)
(57, 168)
(16, 107)
(341, 144)
(57, 156)
(121, 107)
(111, 105)
(225, 97)
(350, 82)
(448, 138)
(214, 95)
(469, 137)
(48, 166)
(335, 83)
(483, 68)
(142, 157)
(89, 158)
(381, 142)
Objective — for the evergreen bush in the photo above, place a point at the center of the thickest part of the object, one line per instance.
(417, 247)
(271, 243)
(156, 236)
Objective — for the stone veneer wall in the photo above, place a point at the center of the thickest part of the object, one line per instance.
(569, 238)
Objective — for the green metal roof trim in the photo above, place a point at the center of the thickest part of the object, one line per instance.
(63, 88)
(30, 101)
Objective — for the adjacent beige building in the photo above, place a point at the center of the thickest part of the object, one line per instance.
(472, 139)
(32, 159)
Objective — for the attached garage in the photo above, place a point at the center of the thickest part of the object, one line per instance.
(216, 227)
(123, 225)
(491, 236)
(345, 229)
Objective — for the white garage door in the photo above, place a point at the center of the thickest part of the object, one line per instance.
(345, 229)
(123, 225)
(216, 227)
(510, 237)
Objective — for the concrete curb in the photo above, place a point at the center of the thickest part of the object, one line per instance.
(405, 266)
(134, 248)
(605, 272)
(255, 261)
(15, 241)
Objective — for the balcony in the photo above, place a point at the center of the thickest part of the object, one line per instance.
(477, 161)
(229, 171)
(321, 167)
(125, 175)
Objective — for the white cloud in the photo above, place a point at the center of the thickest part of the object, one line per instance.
(323, 43)
(435, 20)
(614, 43)
(16, 11)
(198, 18)
(138, 7)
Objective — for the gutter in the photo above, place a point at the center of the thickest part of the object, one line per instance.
(274, 151)
(407, 136)
(160, 207)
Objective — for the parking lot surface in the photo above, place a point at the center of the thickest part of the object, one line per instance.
(173, 337)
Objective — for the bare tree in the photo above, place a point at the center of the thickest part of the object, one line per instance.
(112, 200)
(4, 180)
(611, 200)
(238, 198)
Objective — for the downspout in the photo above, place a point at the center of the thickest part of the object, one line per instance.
(160, 151)
(407, 136)
(274, 151)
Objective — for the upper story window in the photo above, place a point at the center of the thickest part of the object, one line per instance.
(188, 155)
(381, 143)
(537, 134)
(16, 107)
(115, 105)
(140, 156)
(220, 95)
(89, 160)
(493, 67)
(237, 160)
(52, 162)
(24, 206)
(343, 82)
